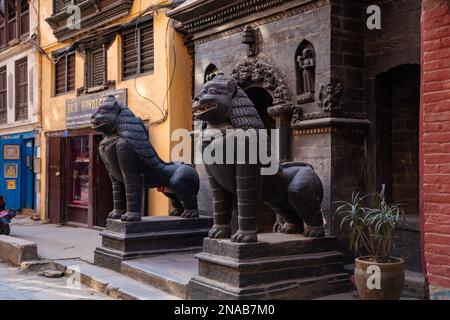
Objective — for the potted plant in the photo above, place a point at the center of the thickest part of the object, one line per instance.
(378, 275)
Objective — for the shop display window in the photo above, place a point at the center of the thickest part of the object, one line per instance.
(79, 148)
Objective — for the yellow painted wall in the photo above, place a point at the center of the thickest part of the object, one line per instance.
(169, 48)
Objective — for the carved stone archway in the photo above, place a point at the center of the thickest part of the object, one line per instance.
(261, 71)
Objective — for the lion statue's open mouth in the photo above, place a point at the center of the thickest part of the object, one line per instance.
(204, 106)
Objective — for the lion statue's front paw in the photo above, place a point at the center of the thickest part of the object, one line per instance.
(131, 217)
(115, 214)
(245, 237)
(314, 232)
(190, 214)
(220, 232)
(289, 228)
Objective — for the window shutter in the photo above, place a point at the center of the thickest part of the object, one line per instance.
(146, 44)
(21, 89)
(24, 17)
(138, 51)
(3, 94)
(2, 32)
(11, 19)
(97, 66)
(130, 58)
(70, 72)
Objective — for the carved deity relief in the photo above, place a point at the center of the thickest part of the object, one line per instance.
(331, 97)
(308, 65)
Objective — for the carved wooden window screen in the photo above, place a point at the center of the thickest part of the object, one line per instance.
(65, 74)
(96, 74)
(21, 89)
(3, 95)
(14, 21)
(138, 51)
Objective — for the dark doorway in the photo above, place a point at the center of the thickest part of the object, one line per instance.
(56, 175)
(398, 104)
(262, 100)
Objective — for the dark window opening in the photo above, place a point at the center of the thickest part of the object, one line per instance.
(3, 94)
(65, 73)
(138, 51)
(79, 166)
(21, 89)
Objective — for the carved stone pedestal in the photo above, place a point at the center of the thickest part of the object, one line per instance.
(277, 267)
(152, 236)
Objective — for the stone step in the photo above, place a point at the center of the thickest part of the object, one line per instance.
(169, 273)
(247, 272)
(300, 289)
(111, 283)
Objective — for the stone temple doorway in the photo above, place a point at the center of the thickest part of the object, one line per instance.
(262, 100)
(398, 111)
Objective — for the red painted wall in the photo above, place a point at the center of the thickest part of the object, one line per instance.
(435, 141)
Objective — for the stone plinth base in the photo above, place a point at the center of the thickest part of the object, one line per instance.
(153, 235)
(277, 267)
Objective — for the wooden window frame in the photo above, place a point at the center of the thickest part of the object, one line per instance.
(89, 70)
(17, 87)
(4, 93)
(65, 59)
(137, 34)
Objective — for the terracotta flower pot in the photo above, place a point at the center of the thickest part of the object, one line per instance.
(379, 281)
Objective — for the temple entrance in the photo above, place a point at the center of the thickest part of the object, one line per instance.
(398, 101)
(262, 100)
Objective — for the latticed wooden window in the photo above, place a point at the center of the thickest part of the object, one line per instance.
(138, 51)
(21, 89)
(65, 74)
(24, 24)
(96, 67)
(3, 94)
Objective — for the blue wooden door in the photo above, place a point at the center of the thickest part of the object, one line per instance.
(10, 172)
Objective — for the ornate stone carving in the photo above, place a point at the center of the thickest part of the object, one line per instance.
(250, 37)
(331, 97)
(307, 65)
(133, 164)
(299, 192)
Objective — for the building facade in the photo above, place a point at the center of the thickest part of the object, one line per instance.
(435, 152)
(19, 105)
(343, 96)
(125, 48)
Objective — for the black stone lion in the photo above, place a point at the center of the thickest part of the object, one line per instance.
(295, 193)
(133, 165)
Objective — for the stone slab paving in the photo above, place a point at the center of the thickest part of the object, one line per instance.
(19, 285)
(56, 242)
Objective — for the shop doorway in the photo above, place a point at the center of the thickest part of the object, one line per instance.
(11, 172)
(79, 188)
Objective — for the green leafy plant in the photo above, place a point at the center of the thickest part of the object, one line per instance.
(371, 228)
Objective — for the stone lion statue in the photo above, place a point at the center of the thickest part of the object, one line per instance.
(133, 165)
(295, 193)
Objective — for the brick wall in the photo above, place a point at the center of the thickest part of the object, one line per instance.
(435, 146)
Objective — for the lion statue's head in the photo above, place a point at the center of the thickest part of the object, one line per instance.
(222, 100)
(113, 119)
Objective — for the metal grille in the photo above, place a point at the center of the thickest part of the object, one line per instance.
(3, 94)
(21, 89)
(138, 51)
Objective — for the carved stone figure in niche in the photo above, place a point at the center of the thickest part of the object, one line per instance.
(133, 164)
(331, 97)
(295, 193)
(308, 65)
